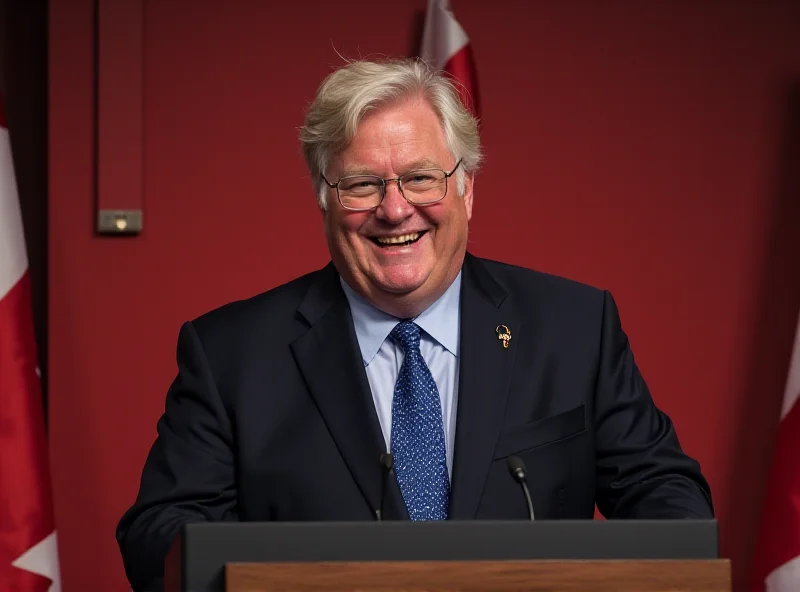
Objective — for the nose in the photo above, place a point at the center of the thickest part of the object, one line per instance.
(394, 208)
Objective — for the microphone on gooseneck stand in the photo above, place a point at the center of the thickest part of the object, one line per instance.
(517, 469)
(387, 464)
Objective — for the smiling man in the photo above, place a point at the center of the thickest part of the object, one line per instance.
(393, 235)
(285, 404)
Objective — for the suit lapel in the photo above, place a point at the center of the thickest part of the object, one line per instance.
(485, 369)
(330, 361)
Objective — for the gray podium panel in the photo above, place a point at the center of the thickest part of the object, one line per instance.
(206, 548)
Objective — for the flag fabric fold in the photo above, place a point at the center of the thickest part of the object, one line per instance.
(446, 47)
(28, 550)
(777, 561)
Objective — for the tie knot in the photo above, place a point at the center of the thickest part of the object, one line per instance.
(406, 334)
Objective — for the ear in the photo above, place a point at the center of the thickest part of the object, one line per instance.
(323, 210)
(469, 185)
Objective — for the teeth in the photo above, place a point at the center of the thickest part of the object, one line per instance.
(395, 240)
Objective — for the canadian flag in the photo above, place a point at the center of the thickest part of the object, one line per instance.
(28, 552)
(777, 563)
(445, 46)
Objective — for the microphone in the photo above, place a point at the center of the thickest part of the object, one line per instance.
(387, 464)
(517, 469)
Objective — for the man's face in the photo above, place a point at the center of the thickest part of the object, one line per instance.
(401, 279)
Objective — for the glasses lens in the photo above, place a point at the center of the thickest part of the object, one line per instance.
(362, 192)
(425, 186)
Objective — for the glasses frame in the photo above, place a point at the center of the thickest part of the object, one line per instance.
(386, 181)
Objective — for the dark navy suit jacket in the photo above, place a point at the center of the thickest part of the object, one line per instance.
(270, 416)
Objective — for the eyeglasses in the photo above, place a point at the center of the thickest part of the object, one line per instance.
(366, 192)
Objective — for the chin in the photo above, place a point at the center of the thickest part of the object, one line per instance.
(398, 287)
(395, 283)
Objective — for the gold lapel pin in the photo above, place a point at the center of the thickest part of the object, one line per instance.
(503, 334)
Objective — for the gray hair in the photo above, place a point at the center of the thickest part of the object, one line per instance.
(347, 94)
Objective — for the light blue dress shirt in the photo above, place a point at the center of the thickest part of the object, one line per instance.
(439, 345)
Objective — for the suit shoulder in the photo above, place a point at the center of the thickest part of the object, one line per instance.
(274, 305)
(563, 307)
(520, 281)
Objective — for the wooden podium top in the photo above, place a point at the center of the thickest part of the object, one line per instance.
(702, 575)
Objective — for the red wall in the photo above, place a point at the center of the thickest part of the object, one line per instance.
(637, 146)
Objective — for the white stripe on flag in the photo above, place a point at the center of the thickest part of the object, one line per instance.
(793, 382)
(443, 36)
(785, 578)
(42, 559)
(13, 258)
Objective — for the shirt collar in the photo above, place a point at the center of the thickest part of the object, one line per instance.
(440, 320)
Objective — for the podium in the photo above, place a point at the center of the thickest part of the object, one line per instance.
(561, 555)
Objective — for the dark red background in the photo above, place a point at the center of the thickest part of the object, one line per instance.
(643, 147)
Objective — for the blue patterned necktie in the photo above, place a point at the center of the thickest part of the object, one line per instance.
(417, 438)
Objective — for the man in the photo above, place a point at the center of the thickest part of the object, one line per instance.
(406, 343)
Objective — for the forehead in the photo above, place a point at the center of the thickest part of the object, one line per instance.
(397, 134)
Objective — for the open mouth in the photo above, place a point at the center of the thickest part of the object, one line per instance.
(398, 241)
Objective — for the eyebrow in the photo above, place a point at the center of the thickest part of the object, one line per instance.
(423, 163)
(357, 171)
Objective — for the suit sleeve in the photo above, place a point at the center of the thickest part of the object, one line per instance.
(189, 474)
(642, 472)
